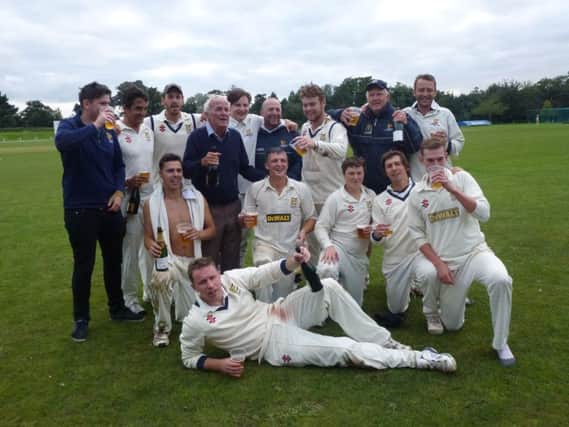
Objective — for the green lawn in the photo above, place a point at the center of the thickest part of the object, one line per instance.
(118, 378)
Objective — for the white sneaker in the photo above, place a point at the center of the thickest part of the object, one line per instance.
(161, 339)
(430, 358)
(395, 345)
(434, 324)
(506, 357)
(135, 307)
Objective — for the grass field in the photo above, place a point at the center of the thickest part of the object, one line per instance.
(118, 378)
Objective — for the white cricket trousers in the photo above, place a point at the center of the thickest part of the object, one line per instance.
(398, 281)
(290, 344)
(350, 271)
(172, 285)
(136, 261)
(263, 254)
(482, 266)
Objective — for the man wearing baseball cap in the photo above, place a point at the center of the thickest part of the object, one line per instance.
(172, 126)
(373, 134)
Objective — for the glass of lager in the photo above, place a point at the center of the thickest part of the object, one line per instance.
(182, 228)
(145, 176)
(251, 219)
(294, 144)
(433, 171)
(110, 125)
(355, 113)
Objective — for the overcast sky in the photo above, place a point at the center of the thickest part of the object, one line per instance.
(51, 48)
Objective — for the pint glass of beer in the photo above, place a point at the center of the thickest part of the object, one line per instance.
(145, 176)
(294, 144)
(110, 125)
(434, 170)
(251, 219)
(355, 113)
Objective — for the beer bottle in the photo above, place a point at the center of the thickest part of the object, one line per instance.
(398, 132)
(310, 274)
(161, 263)
(212, 174)
(133, 202)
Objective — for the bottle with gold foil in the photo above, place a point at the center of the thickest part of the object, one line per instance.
(161, 263)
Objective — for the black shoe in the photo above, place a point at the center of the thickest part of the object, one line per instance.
(389, 320)
(123, 314)
(80, 331)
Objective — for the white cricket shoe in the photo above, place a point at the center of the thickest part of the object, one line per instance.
(434, 324)
(135, 307)
(430, 358)
(161, 339)
(395, 345)
(506, 357)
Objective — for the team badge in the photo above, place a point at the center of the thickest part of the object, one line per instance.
(368, 129)
(233, 288)
(147, 134)
(128, 139)
(294, 202)
(283, 142)
(388, 202)
(162, 128)
(210, 318)
(368, 204)
(389, 126)
(248, 132)
(425, 203)
(322, 137)
(109, 137)
(350, 208)
(436, 122)
(286, 359)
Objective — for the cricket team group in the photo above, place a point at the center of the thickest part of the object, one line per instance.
(174, 198)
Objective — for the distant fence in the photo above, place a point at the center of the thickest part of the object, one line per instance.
(549, 115)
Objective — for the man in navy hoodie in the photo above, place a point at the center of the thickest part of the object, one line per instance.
(93, 184)
(373, 135)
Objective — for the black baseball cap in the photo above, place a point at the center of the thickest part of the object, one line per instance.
(172, 86)
(376, 83)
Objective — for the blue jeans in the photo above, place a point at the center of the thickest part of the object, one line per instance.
(85, 227)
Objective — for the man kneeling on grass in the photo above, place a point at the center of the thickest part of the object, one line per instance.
(228, 317)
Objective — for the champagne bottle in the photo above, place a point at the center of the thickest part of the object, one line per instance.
(212, 174)
(310, 274)
(161, 263)
(133, 202)
(398, 132)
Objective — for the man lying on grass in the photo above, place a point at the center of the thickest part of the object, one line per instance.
(227, 316)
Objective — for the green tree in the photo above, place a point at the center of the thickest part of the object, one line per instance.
(489, 107)
(401, 95)
(195, 103)
(257, 102)
(154, 100)
(8, 113)
(292, 108)
(350, 92)
(36, 114)
(154, 96)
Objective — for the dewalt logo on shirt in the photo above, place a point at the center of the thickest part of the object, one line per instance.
(442, 215)
(279, 217)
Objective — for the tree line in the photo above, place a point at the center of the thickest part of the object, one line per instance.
(504, 102)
